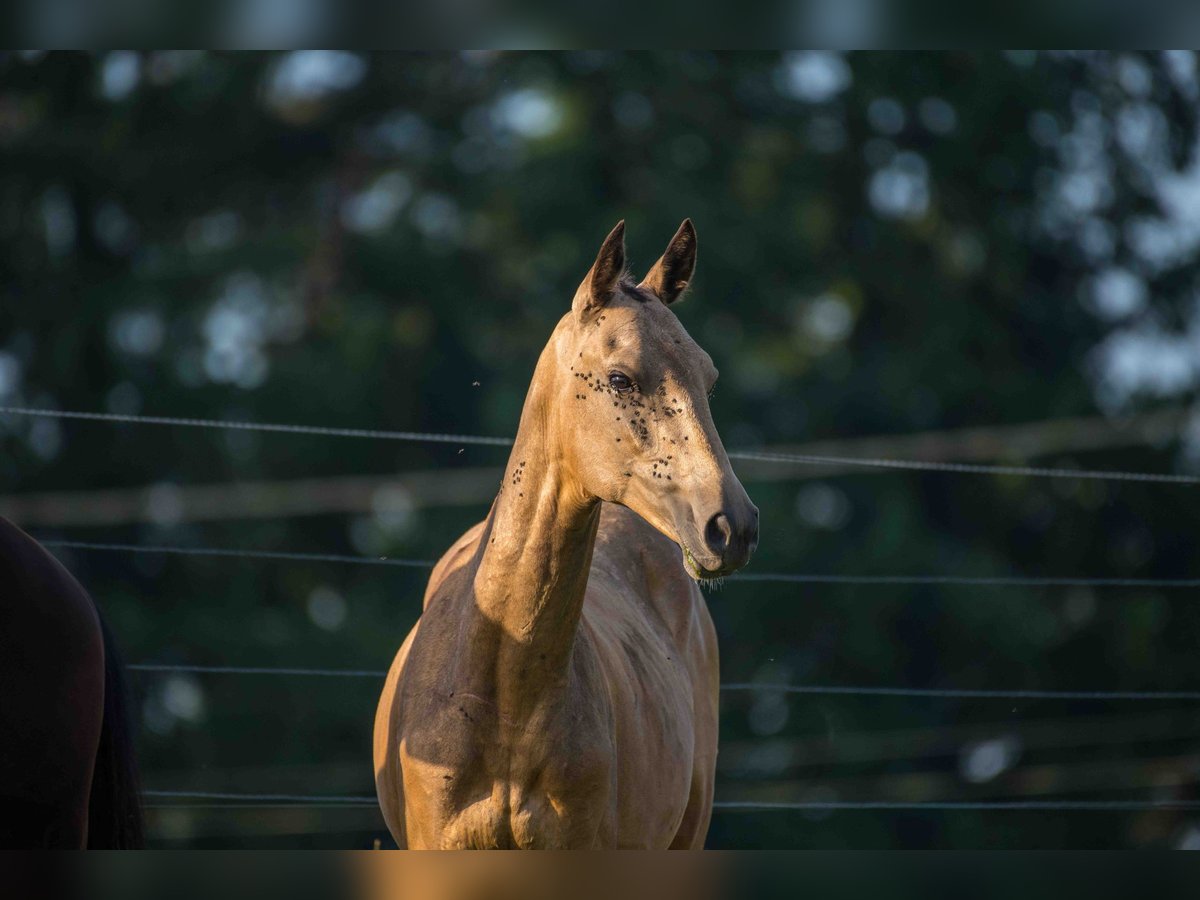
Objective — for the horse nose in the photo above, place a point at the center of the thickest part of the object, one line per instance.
(733, 537)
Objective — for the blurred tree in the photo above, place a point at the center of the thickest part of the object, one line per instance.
(890, 243)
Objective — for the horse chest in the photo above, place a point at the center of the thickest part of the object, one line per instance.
(481, 781)
(512, 817)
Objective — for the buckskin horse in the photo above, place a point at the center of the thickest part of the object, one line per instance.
(560, 687)
(68, 777)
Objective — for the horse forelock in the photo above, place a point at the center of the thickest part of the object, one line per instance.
(632, 289)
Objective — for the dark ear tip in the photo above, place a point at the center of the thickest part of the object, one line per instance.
(617, 235)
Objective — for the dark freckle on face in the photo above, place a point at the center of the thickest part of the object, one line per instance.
(618, 440)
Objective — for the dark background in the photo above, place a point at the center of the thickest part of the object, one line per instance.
(890, 245)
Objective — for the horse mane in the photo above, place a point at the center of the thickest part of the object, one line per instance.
(633, 289)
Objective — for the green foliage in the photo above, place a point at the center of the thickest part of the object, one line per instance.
(889, 243)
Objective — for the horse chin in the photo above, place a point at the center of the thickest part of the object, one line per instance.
(697, 571)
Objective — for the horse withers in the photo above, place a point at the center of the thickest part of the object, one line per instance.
(560, 688)
(68, 775)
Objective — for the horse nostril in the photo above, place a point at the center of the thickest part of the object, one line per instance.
(717, 533)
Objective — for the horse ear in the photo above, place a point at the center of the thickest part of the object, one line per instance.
(668, 278)
(601, 280)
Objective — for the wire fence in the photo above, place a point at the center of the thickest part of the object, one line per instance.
(319, 430)
(732, 687)
(260, 798)
(236, 553)
(231, 799)
(1136, 805)
(951, 805)
(478, 439)
(256, 670)
(1026, 581)
(965, 468)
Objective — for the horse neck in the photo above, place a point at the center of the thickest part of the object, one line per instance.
(538, 543)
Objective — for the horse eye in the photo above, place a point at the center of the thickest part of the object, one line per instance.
(620, 383)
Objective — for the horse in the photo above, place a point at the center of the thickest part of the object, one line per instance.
(560, 687)
(68, 775)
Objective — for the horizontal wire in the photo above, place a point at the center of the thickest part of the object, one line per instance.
(964, 468)
(783, 577)
(1047, 805)
(257, 806)
(959, 693)
(761, 687)
(734, 805)
(424, 436)
(257, 670)
(266, 798)
(754, 455)
(244, 554)
(977, 581)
